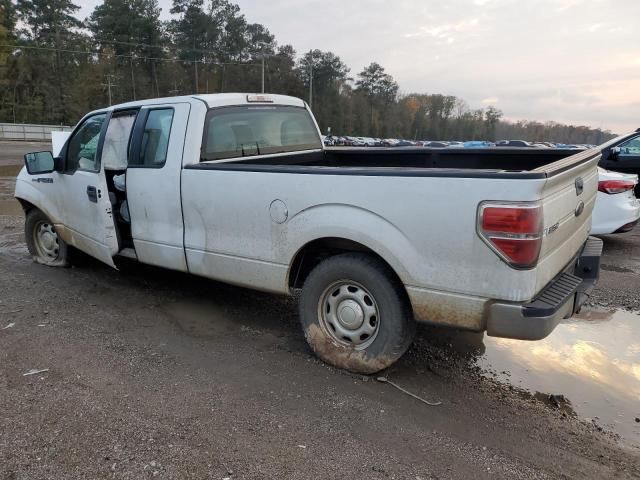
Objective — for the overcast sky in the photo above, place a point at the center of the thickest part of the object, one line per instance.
(572, 61)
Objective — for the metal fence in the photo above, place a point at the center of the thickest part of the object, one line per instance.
(30, 132)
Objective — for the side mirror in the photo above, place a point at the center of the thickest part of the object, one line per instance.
(39, 162)
(614, 153)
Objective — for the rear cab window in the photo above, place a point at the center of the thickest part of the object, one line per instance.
(153, 141)
(245, 131)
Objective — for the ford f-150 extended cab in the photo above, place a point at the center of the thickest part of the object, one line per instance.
(239, 188)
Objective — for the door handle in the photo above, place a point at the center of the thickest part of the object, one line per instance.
(92, 193)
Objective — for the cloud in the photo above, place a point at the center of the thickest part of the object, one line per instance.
(445, 31)
(574, 61)
(563, 5)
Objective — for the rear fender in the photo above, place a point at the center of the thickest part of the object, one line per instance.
(351, 223)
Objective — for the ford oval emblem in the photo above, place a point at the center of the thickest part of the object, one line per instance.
(579, 209)
(579, 186)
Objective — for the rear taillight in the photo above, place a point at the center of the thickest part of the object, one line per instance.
(513, 231)
(615, 186)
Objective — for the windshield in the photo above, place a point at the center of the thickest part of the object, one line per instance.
(257, 130)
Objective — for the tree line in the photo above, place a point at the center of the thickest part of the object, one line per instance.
(54, 67)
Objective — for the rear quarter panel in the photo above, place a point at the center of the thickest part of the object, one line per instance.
(424, 227)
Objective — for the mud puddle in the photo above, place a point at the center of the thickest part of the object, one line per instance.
(8, 204)
(589, 366)
(11, 226)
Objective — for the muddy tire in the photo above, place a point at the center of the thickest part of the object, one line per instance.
(356, 314)
(44, 244)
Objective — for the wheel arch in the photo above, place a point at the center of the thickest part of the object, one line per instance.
(26, 205)
(315, 251)
(323, 230)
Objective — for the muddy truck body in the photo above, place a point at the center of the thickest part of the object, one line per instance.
(239, 188)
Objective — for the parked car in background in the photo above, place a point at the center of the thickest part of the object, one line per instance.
(623, 155)
(435, 144)
(478, 144)
(569, 146)
(617, 209)
(513, 143)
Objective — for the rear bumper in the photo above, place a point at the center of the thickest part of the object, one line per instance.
(627, 227)
(560, 299)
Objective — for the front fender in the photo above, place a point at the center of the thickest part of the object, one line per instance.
(40, 193)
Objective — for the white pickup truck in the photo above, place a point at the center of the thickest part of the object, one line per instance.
(239, 188)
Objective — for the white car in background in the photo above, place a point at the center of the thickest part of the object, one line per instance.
(617, 209)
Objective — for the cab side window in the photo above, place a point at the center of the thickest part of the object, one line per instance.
(155, 139)
(82, 151)
(630, 148)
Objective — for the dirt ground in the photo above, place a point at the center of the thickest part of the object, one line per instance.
(157, 374)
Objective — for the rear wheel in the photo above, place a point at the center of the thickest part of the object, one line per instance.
(43, 242)
(355, 313)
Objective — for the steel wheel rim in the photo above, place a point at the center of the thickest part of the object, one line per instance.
(349, 314)
(46, 241)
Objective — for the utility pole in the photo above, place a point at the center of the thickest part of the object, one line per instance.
(109, 85)
(195, 65)
(175, 90)
(263, 50)
(155, 78)
(311, 79)
(263, 73)
(133, 77)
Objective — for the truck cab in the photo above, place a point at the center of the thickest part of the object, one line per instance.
(120, 174)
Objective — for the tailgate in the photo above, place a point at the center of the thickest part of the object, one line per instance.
(568, 198)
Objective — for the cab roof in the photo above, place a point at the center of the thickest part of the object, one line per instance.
(224, 99)
(214, 100)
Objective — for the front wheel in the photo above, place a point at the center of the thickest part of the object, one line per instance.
(43, 242)
(355, 313)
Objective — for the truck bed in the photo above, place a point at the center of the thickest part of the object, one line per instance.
(409, 161)
(522, 159)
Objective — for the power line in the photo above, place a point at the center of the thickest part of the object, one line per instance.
(142, 44)
(113, 55)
